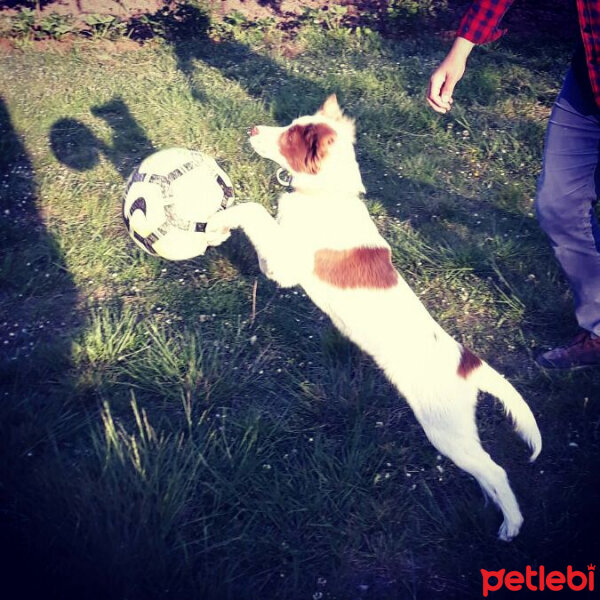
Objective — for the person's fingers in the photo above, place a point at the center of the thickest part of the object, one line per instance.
(447, 90)
(434, 92)
(436, 107)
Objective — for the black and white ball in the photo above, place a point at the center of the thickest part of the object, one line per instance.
(169, 198)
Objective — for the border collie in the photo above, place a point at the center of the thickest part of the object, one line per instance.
(324, 240)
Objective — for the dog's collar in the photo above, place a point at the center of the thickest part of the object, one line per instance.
(284, 178)
(287, 181)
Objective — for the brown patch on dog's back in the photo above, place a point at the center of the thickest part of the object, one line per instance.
(356, 268)
(468, 363)
(305, 146)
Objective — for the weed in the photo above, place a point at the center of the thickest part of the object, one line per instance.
(105, 26)
(401, 9)
(23, 23)
(27, 24)
(56, 26)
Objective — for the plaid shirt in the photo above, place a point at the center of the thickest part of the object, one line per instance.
(480, 25)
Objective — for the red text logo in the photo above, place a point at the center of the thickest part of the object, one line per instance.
(538, 580)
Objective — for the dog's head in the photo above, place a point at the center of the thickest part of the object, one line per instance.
(316, 149)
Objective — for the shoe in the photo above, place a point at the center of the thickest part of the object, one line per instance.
(582, 351)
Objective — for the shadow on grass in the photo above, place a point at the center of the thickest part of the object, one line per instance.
(290, 95)
(287, 95)
(422, 204)
(76, 146)
(38, 302)
(554, 529)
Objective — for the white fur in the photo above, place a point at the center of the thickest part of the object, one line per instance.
(324, 211)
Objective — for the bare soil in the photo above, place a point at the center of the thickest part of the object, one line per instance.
(527, 17)
(128, 9)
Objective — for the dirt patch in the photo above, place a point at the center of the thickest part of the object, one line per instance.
(79, 9)
(143, 19)
(557, 19)
(126, 10)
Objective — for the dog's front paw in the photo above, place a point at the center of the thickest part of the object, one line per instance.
(218, 228)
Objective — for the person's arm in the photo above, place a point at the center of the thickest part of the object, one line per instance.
(479, 25)
(447, 75)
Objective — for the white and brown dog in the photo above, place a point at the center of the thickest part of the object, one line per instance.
(325, 241)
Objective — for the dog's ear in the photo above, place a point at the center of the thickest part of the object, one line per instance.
(318, 138)
(331, 109)
(305, 146)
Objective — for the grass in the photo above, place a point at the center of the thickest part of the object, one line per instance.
(159, 440)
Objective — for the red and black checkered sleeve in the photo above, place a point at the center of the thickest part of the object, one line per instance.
(480, 23)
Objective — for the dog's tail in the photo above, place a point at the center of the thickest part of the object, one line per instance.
(489, 380)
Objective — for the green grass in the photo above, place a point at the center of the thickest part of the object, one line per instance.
(159, 440)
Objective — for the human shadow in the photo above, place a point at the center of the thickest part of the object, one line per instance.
(40, 319)
(75, 145)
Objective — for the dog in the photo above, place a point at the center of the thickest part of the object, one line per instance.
(324, 240)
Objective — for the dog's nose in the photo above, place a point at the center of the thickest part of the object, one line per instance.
(253, 131)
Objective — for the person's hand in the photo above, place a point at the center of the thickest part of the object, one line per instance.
(447, 75)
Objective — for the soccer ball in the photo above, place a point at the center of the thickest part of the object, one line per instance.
(169, 198)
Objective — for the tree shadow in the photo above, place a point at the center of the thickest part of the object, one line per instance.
(288, 95)
(24, 3)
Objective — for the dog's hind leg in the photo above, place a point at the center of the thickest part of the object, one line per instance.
(453, 431)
